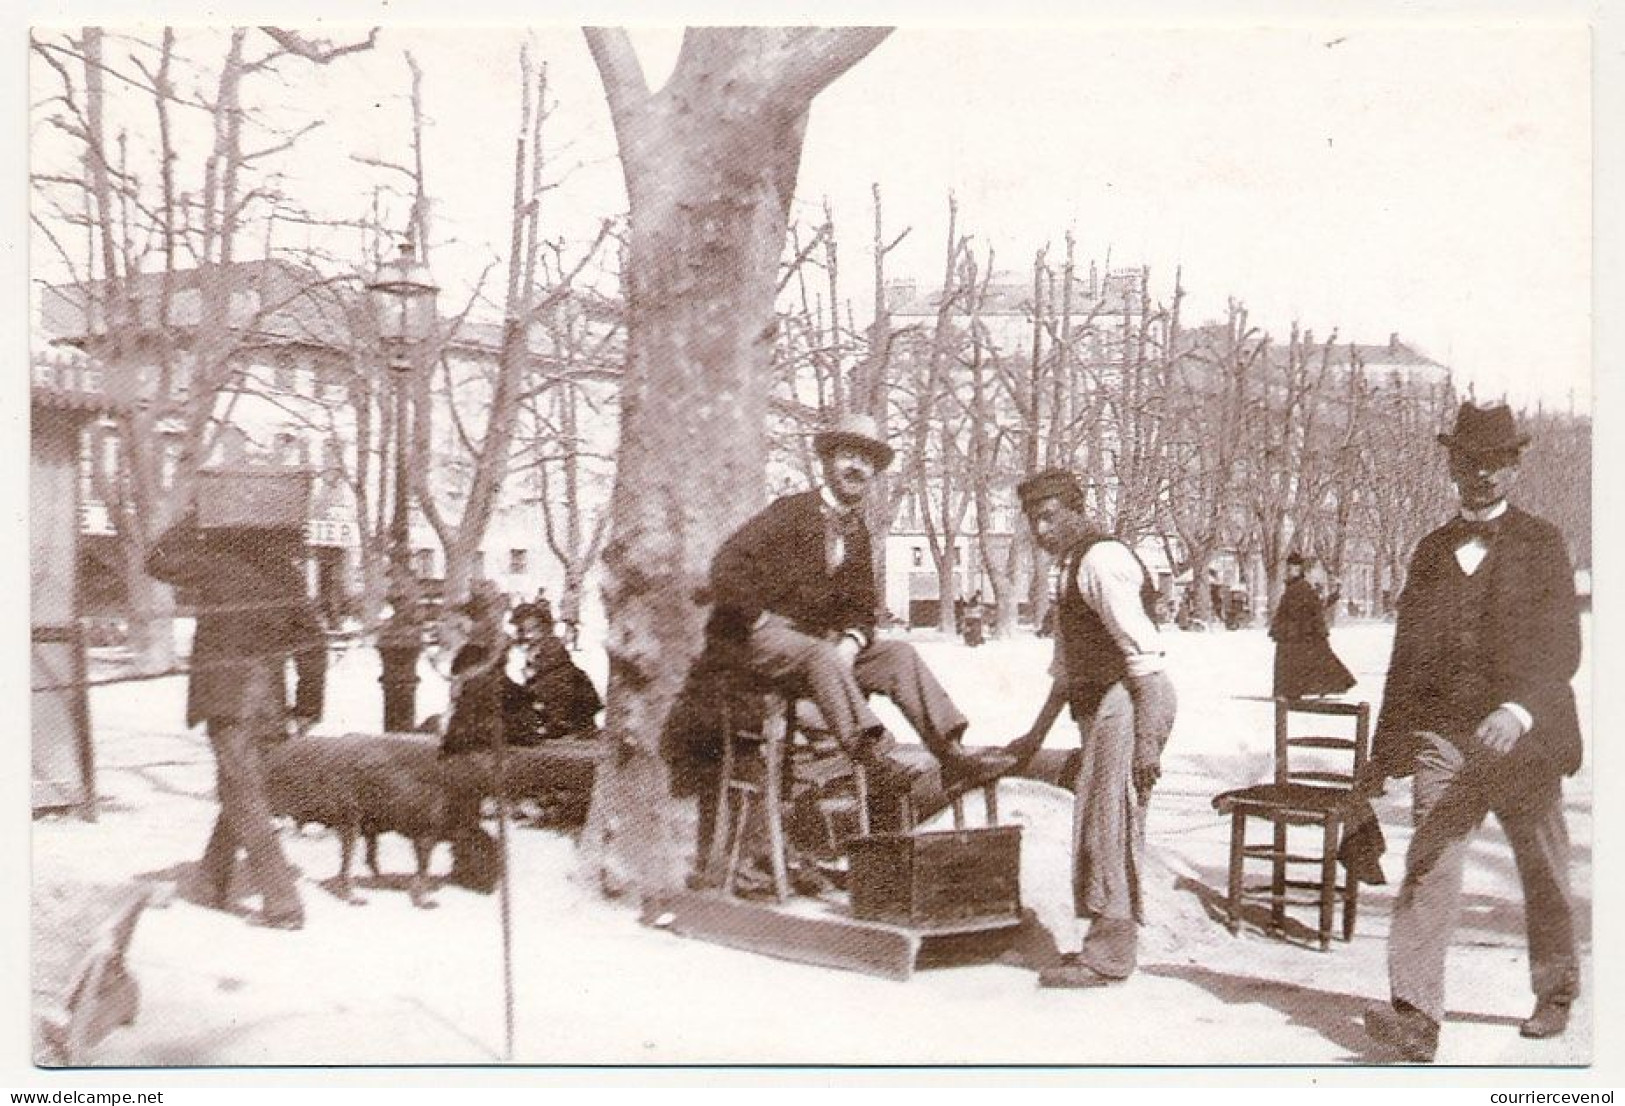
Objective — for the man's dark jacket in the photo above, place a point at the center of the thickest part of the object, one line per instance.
(1530, 633)
(252, 612)
(775, 562)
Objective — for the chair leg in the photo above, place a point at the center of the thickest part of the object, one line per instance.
(740, 827)
(1278, 879)
(860, 784)
(772, 801)
(1328, 882)
(1238, 842)
(721, 828)
(1351, 906)
(958, 803)
(990, 801)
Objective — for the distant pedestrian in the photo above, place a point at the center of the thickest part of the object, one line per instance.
(1304, 662)
(975, 621)
(1479, 709)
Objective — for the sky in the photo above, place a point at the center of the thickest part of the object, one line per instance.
(1427, 179)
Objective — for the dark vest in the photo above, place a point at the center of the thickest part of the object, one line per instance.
(1094, 663)
(1465, 647)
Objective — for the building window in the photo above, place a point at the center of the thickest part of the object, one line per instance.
(517, 559)
(424, 561)
(919, 557)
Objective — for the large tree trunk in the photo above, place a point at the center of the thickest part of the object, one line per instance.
(710, 163)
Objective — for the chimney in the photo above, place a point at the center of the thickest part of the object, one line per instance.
(1393, 343)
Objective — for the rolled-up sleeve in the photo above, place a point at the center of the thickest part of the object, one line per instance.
(1109, 578)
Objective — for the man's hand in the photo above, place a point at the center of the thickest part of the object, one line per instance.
(1145, 778)
(1499, 731)
(1370, 781)
(1155, 704)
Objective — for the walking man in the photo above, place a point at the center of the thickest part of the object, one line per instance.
(795, 598)
(253, 614)
(1479, 710)
(1109, 668)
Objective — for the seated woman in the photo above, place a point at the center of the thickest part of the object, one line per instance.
(560, 695)
(484, 698)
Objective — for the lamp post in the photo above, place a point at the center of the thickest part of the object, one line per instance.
(402, 295)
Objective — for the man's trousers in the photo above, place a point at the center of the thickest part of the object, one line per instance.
(810, 665)
(1452, 792)
(1108, 835)
(245, 815)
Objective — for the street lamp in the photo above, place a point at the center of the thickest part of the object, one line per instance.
(402, 295)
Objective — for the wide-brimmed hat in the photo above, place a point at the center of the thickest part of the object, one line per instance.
(1062, 484)
(857, 432)
(1484, 430)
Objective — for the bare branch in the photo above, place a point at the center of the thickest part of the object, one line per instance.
(319, 51)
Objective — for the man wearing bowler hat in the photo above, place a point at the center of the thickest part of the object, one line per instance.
(795, 599)
(1478, 709)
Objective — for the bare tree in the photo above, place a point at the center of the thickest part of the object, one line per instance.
(1207, 439)
(157, 292)
(710, 162)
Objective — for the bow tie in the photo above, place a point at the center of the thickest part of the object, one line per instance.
(1467, 529)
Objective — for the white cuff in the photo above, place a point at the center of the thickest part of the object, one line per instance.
(1525, 719)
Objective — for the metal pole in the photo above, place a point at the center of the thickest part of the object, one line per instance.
(399, 641)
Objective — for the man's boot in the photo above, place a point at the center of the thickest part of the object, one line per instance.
(963, 769)
(1403, 1029)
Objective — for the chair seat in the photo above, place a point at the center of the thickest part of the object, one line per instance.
(1283, 796)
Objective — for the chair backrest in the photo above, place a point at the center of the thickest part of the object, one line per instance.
(1333, 752)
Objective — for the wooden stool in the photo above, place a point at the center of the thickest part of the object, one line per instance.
(737, 793)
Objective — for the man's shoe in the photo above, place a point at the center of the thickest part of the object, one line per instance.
(1404, 1030)
(278, 921)
(1074, 973)
(889, 776)
(963, 770)
(1550, 1019)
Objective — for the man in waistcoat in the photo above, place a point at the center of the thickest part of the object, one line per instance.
(1109, 669)
(796, 603)
(1479, 710)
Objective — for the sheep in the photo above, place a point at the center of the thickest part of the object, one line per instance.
(364, 785)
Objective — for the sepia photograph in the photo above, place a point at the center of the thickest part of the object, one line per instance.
(1060, 544)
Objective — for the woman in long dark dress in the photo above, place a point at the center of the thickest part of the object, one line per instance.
(1304, 662)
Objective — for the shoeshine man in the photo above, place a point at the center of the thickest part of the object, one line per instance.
(1479, 710)
(795, 600)
(1109, 669)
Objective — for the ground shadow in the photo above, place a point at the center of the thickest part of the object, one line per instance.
(1336, 1016)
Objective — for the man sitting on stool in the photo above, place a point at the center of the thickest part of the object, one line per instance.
(795, 599)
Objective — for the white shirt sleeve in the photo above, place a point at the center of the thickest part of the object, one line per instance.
(1109, 579)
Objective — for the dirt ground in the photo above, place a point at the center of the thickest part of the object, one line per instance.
(385, 983)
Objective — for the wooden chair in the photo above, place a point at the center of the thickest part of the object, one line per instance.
(753, 760)
(1306, 791)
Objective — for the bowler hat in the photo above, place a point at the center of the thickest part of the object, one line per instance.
(1059, 484)
(857, 432)
(1294, 558)
(1484, 430)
